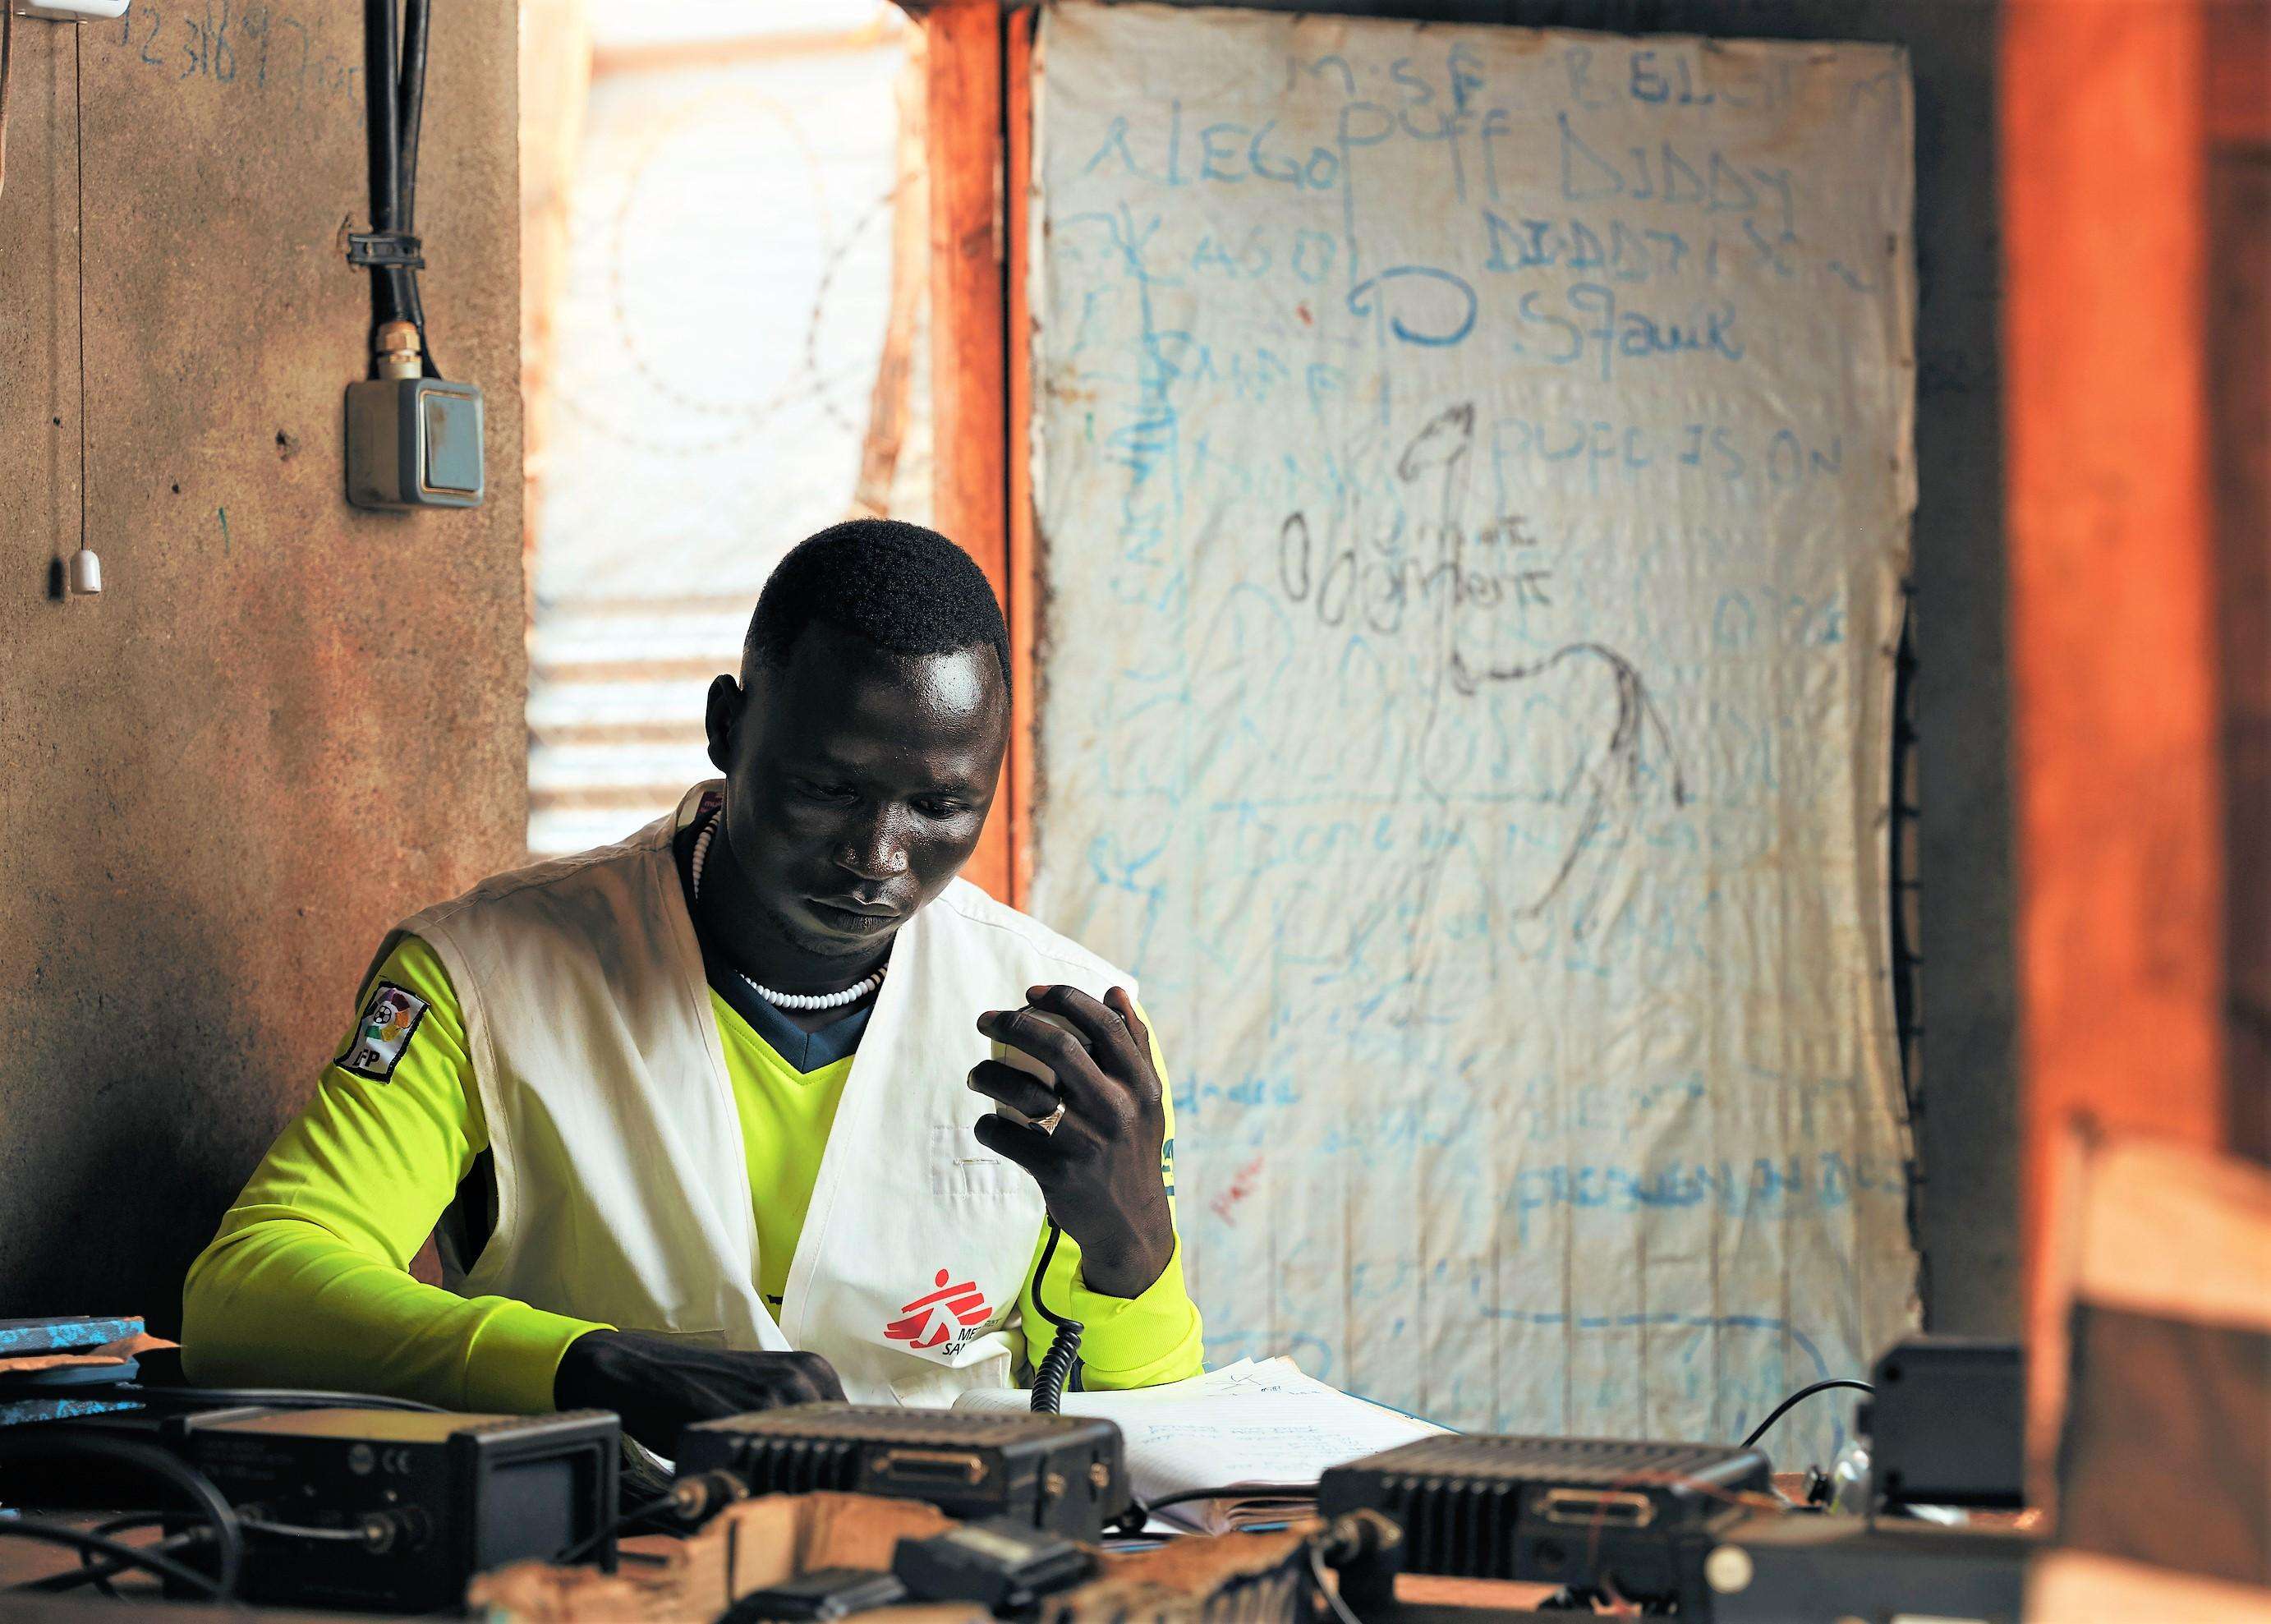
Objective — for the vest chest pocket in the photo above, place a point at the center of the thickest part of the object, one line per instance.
(937, 1389)
(961, 1166)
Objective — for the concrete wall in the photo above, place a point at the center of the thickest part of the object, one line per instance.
(1967, 1119)
(284, 724)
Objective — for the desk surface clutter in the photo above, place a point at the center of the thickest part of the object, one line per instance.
(1260, 1427)
(520, 1517)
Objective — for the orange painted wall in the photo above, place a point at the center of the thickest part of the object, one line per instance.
(284, 724)
(2113, 631)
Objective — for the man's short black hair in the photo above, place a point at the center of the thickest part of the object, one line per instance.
(904, 588)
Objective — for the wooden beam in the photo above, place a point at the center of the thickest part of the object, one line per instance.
(969, 411)
(2239, 73)
(2239, 395)
(2111, 558)
(1025, 565)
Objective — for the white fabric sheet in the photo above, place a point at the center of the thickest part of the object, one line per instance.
(1473, 472)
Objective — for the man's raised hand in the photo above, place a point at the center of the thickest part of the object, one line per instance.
(1100, 1170)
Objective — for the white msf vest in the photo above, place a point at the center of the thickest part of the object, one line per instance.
(622, 1192)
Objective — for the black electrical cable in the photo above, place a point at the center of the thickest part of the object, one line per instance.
(34, 1443)
(100, 1573)
(141, 1519)
(690, 1501)
(628, 1520)
(122, 1556)
(7, 60)
(100, 1577)
(1325, 1588)
(1233, 1491)
(410, 118)
(1782, 1409)
(1132, 1521)
(266, 1397)
(1061, 1363)
(298, 1530)
(389, 297)
(410, 112)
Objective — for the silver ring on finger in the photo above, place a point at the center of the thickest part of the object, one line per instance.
(1048, 1124)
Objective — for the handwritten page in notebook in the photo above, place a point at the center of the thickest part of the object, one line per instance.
(1260, 1424)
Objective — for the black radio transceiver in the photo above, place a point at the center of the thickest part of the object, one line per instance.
(1947, 1423)
(1589, 1513)
(1002, 1564)
(1816, 1570)
(1063, 1473)
(435, 1498)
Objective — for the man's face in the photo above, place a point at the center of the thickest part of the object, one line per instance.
(856, 782)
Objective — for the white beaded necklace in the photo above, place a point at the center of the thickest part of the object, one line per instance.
(781, 1001)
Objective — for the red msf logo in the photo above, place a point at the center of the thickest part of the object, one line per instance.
(931, 1320)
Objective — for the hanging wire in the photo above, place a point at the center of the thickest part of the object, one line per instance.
(1808, 1392)
(78, 166)
(24, 1444)
(383, 137)
(410, 116)
(7, 58)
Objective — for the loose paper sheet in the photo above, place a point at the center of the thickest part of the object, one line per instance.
(1265, 1425)
(1473, 474)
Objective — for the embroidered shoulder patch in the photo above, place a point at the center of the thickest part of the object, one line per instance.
(383, 1033)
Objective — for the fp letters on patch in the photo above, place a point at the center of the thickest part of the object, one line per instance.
(383, 1033)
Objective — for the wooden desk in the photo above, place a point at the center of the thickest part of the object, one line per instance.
(2064, 1587)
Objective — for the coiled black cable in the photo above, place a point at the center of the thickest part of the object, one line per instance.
(100, 1573)
(1060, 1365)
(121, 1557)
(33, 1444)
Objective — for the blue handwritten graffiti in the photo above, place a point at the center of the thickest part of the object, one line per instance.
(1361, 297)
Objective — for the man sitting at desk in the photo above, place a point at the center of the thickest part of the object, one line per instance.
(691, 1110)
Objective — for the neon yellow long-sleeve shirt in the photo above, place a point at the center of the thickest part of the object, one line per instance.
(308, 1282)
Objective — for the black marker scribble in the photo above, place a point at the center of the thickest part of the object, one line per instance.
(1379, 581)
(1612, 777)
(1617, 773)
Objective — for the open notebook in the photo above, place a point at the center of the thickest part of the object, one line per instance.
(1262, 1428)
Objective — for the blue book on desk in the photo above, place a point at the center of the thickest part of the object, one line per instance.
(17, 1411)
(61, 1391)
(64, 1333)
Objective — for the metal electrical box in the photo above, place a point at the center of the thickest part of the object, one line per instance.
(414, 443)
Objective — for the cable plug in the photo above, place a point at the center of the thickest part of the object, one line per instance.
(701, 1496)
